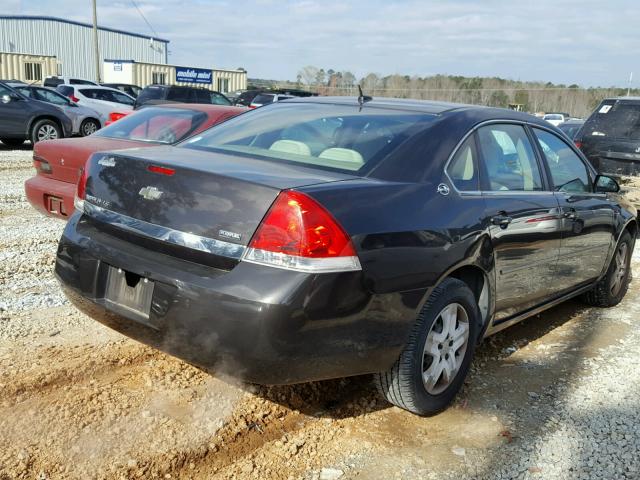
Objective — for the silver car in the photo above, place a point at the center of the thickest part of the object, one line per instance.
(85, 120)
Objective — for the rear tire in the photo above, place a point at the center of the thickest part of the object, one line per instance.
(434, 363)
(89, 126)
(611, 289)
(45, 129)
(12, 142)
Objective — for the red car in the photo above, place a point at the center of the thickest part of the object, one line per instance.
(59, 162)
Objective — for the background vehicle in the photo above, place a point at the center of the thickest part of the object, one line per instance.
(267, 98)
(103, 100)
(58, 164)
(133, 90)
(311, 240)
(54, 81)
(245, 98)
(85, 121)
(571, 127)
(23, 118)
(158, 94)
(556, 118)
(610, 138)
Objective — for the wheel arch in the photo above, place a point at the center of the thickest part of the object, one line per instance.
(37, 118)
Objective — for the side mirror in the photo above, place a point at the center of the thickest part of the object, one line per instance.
(605, 184)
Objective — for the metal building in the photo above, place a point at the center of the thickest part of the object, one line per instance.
(71, 43)
(143, 74)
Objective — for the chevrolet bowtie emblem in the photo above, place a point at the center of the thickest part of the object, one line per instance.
(150, 193)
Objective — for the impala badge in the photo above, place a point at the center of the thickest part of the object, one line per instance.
(150, 193)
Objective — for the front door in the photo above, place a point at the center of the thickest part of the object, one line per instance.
(523, 217)
(588, 230)
(14, 115)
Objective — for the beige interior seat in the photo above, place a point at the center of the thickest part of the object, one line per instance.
(291, 146)
(352, 159)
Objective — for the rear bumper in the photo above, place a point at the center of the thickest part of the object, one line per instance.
(43, 192)
(259, 324)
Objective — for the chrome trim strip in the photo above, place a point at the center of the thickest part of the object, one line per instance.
(164, 234)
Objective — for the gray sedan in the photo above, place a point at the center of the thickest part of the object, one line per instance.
(85, 120)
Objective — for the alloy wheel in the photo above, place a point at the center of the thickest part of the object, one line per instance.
(445, 348)
(89, 128)
(620, 270)
(47, 132)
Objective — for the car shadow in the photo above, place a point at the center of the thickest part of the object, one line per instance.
(21, 148)
(355, 396)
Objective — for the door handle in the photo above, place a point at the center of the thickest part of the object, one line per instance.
(502, 220)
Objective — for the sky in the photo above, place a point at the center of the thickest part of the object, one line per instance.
(586, 42)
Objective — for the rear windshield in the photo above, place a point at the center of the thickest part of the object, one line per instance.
(262, 99)
(340, 137)
(155, 124)
(614, 119)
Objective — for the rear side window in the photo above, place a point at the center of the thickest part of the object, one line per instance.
(219, 99)
(51, 97)
(263, 99)
(568, 171)
(614, 119)
(463, 169)
(26, 91)
(509, 158)
(200, 95)
(77, 81)
(64, 90)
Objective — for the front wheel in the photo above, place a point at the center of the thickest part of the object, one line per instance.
(612, 288)
(434, 363)
(45, 130)
(89, 126)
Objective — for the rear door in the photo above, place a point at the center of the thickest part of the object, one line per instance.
(523, 218)
(14, 115)
(588, 228)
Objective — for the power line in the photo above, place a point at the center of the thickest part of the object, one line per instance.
(143, 17)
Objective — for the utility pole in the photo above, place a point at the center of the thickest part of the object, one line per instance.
(95, 41)
(629, 86)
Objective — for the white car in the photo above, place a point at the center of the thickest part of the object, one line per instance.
(104, 100)
(266, 98)
(555, 119)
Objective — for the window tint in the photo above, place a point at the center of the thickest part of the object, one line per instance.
(64, 90)
(264, 98)
(463, 169)
(177, 94)
(614, 119)
(26, 91)
(200, 95)
(150, 93)
(121, 98)
(568, 172)
(4, 90)
(509, 159)
(332, 136)
(77, 81)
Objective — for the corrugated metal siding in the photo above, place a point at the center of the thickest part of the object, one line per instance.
(12, 66)
(73, 44)
(237, 80)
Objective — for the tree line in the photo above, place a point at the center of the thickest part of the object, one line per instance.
(491, 91)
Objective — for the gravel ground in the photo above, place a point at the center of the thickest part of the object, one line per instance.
(555, 397)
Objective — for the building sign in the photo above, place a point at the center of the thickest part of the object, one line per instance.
(193, 75)
(117, 66)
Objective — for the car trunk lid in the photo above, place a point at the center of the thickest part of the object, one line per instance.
(181, 195)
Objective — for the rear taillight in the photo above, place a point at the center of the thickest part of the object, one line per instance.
(578, 144)
(73, 98)
(81, 191)
(41, 165)
(114, 117)
(300, 234)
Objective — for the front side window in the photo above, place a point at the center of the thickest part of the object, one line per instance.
(51, 97)
(509, 158)
(568, 171)
(332, 136)
(26, 91)
(463, 169)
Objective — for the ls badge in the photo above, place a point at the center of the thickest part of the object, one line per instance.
(150, 193)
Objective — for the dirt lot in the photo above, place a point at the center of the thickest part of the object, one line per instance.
(557, 396)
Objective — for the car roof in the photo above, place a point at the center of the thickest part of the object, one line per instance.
(94, 87)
